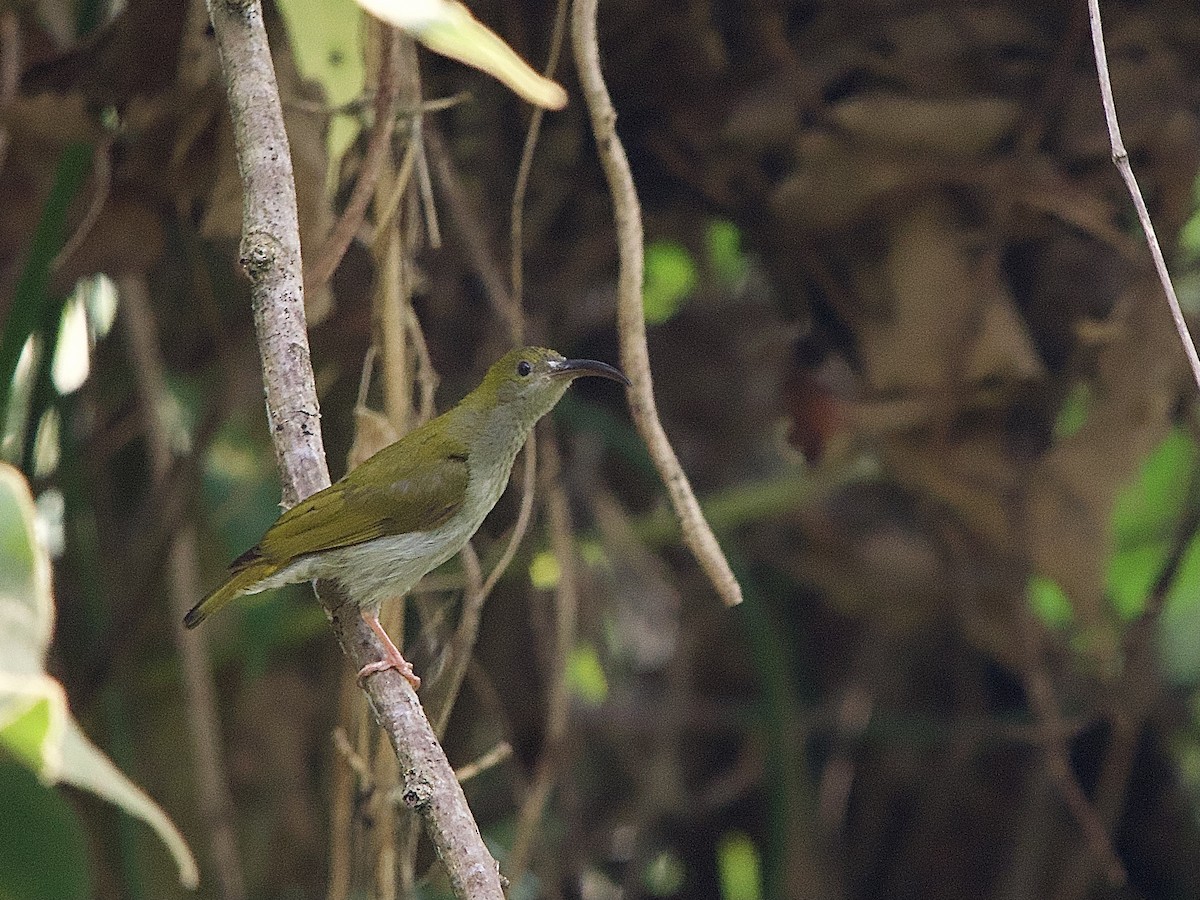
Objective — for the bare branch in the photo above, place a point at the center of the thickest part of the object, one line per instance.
(1120, 159)
(631, 318)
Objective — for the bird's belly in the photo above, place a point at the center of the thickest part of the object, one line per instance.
(389, 567)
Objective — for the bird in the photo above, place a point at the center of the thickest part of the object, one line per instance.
(412, 505)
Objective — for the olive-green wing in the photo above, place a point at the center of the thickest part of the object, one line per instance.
(413, 485)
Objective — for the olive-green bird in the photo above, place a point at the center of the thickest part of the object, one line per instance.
(412, 505)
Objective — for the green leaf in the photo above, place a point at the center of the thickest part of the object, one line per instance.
(725, 256)
(585, 675)
(326, 39)
(1049, 602)
(739, 867)
(1074, 411)
(544, 571)
(671, 276)
(35, 724)
(25, 727)
(33, 309)
(1180, 622)
(1144, 511)
(447, 27)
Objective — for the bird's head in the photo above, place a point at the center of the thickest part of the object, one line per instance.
(527, 382)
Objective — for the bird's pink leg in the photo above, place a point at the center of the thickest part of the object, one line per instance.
(392, 658)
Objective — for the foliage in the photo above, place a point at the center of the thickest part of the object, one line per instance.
(902, 337)
(36, 727)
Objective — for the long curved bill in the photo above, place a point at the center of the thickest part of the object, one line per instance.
(575, 368)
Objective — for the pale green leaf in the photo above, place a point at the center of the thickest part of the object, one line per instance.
(1049, 602)
(671, 277)
(326, 39)
(26, 609)
(36, 727)
(447, 27)
(585, 675)
(739, 867)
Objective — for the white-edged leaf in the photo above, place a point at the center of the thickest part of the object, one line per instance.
(36, 727)
(447, 27)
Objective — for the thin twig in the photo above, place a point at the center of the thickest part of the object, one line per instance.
(1120, 159)
(517, 212)
(102, 178)
(457, 652)
(493, 757)
(524, 515)
(353, 760)
(631, 318)
(471, 232)
(566, 604)
(10, 69)
(271, 257)
(1040, 692)
(425, 186)
(378, 148)
(183, 576)
(399, 188)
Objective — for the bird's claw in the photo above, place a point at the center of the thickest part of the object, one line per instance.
(400, 664)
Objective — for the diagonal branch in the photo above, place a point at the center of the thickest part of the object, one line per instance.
(631, 317)
(1120, 157)
(270, 255)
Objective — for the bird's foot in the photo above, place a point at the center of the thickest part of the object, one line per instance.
(392, 658)
(400, 664)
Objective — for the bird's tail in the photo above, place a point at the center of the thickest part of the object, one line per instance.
(242, 581)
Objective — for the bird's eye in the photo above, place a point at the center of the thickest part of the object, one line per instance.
(524, 368)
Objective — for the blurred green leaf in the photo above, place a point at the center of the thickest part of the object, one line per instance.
(1049, 602)
(25, 727)
(1144, 518)
(544, 570)
(664, 875)
(1074, 412)
(32, 309)
(43, 854)
(585, 675)
(724, 243)
(1178, 647)
(1145, 511)
(671, 276)
(1132, 573)
(739, 867)
(35, 724)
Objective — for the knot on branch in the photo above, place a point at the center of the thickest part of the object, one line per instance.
(417, 790)
(259, 251)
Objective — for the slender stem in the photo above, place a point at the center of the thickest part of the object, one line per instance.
(517, 213)
(1120, 159)
(558, 647)
(631, 318)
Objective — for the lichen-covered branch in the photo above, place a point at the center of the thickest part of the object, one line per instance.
(270, 254)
